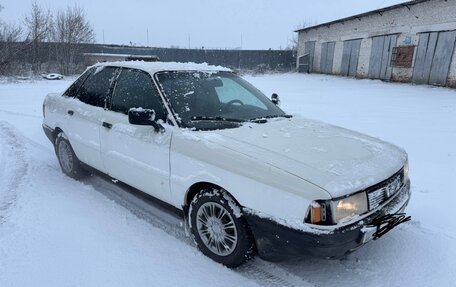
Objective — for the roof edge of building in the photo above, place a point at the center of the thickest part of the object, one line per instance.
(381, 10)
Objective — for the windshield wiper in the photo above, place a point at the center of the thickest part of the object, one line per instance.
(264, 118)
(219, 119)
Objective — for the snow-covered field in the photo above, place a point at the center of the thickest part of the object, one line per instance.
(55, 231)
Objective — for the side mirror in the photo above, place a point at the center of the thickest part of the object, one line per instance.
(144, 117)
(275, 99)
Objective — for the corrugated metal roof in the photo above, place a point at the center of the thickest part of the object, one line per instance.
(378, 11)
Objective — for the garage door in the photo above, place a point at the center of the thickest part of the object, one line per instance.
(327, 57)
(380, 59)
(433, 58)
(350, 57)
(306, 61)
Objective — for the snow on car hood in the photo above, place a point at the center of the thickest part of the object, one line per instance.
(336, 159)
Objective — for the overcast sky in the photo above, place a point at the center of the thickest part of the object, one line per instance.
(252, 24)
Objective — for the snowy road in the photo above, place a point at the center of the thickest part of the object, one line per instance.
(55, 231)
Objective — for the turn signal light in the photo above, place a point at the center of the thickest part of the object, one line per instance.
(317, 213)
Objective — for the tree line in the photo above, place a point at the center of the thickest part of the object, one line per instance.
(56, 35)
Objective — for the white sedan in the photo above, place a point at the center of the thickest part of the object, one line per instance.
(249, 178)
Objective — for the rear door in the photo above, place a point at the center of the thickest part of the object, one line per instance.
(136, 155)
(84, 116)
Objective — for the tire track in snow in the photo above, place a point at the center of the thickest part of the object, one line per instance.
(13, 167)
(262, 272)
(270, 274)
(20, 114)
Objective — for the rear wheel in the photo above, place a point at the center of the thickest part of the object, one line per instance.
(219, 228)
(68, 161)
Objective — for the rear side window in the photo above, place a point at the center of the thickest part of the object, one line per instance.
(97, 87)
(74, 88)
(135, 89)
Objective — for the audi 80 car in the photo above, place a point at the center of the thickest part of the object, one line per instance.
(248, 177)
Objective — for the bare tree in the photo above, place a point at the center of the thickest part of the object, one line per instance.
(293, 42)
(39, 27)
(71, 29)
(10, 35)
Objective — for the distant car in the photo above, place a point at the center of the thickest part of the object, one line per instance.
(52, 76)
(248, 177)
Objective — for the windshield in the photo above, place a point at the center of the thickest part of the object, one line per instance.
(214, 100)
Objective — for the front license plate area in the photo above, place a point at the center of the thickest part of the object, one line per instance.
(387, 222)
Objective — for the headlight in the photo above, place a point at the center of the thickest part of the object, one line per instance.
(345, 208)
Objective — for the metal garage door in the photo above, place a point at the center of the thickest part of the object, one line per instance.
(380, 59)
(327, 57)
(306, 61)
(433, 58)
(350, 58)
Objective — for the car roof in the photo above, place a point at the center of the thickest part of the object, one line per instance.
(153, 67)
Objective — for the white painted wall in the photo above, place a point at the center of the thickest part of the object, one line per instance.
(430, 16)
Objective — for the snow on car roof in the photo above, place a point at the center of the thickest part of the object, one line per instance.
(153, 67)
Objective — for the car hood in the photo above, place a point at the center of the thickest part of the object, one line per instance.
(336, 159)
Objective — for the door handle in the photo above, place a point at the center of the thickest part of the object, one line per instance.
(70, 112)
(107, 125)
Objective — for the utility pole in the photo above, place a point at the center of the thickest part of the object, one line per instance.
(188, 41)
(147, 37)
(103, 38)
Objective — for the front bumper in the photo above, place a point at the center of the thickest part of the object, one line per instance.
(276, 242)
(49, 133)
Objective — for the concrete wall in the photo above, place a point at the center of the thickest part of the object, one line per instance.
(406, 21)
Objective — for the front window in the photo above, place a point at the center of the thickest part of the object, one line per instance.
(214, 100)
(135, 89)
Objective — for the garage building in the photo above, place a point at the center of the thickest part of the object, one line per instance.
(409, 42)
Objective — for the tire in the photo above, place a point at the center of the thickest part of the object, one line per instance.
(69, 162)
(219, 229)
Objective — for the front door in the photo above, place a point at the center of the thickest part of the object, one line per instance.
(136, 155)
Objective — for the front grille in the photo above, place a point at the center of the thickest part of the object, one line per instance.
(376, 198)
(383, 191)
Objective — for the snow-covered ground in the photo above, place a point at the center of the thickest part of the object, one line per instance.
(55, 231)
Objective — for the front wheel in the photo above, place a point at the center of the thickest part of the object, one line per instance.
(219, 228)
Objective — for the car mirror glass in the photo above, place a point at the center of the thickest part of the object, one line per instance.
(144, 117)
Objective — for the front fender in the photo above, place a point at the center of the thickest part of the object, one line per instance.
(255, 184)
